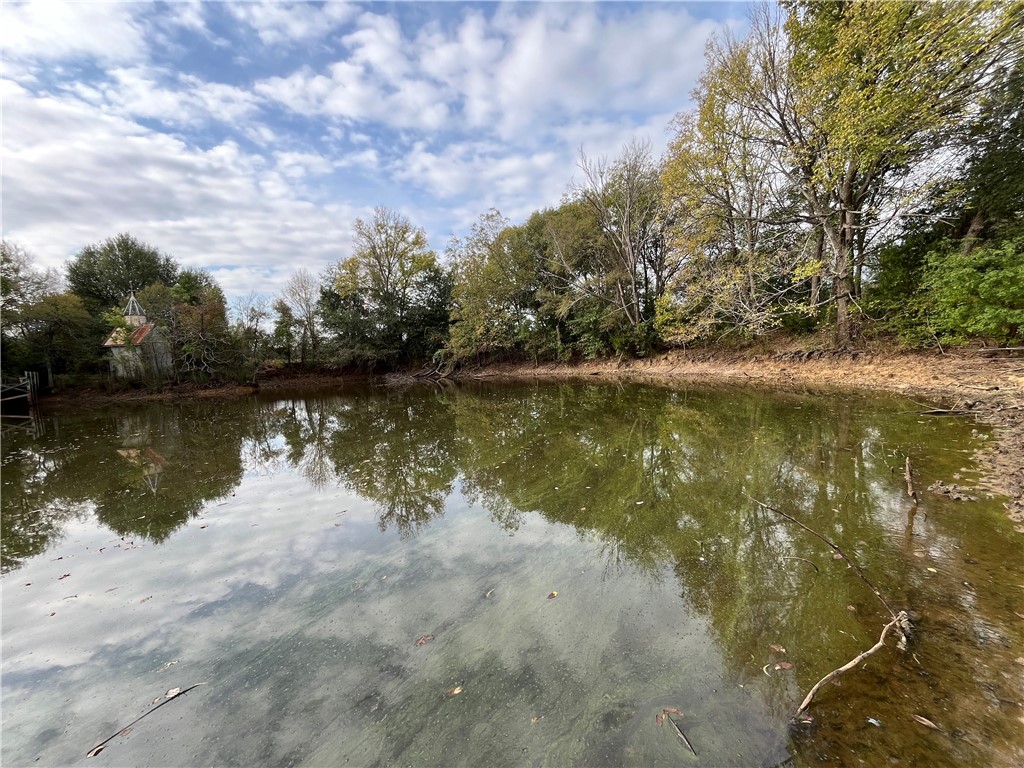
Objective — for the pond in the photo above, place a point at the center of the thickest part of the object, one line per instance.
(503, 575)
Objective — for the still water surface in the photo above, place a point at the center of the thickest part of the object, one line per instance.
(289, 552)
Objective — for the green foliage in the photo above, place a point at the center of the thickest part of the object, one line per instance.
(494, 310)
(58, 332)
(103, 274)
(386, 305)
(979, 293)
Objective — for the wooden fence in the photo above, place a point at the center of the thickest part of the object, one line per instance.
(20, 394)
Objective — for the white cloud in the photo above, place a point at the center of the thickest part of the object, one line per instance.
(283, 23)
(299, 164)
(75, 175)
(517, 73)
(143, 92)
(46, 31)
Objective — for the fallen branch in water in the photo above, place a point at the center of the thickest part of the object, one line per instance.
(810, 563)
(833, 545)
(103, 744)
(900, 621)
(910, 481)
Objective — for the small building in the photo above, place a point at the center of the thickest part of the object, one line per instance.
(140, 349)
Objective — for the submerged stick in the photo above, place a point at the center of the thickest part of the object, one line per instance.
(103, 744)
(794, 557)
(834, 546)
(910, 481)
(899, 619)
(681, 735)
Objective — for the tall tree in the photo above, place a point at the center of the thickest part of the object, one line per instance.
(731, 221)
(494, 294)
(103, 274)
(58, 332)
(390, 286)
(626, 197)
(301, 294)
(853, 96)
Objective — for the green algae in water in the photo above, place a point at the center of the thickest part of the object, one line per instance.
(289, 552)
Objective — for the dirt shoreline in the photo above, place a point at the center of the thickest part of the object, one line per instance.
(985, 384)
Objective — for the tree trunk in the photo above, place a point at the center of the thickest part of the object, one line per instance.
(842, 282)
(974, 231)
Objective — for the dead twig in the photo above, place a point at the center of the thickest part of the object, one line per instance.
(103, 744)
(835, 547)
(899, 621)
(810, 563)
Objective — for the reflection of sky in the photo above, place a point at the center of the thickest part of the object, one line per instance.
(300, 615)
(289, 619)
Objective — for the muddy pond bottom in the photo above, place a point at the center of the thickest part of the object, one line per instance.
(542, 575)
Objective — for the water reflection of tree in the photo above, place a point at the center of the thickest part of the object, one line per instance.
(397, 449)
(143, 471)
(665, 478)
(31, 520)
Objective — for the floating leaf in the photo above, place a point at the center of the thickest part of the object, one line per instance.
(837, 556)
(851, 608)
(126, 731)
(552, 596)
(61, 578)
(682, 736)
(96, 750)
(783, 665)
(453, 691)
(777, 648)
(424, 639)
(933, 570)
(660, 718)
(536, 719)
(672, 711)
(172, 693)
(926, 722)
(145, 599)
(874, 722)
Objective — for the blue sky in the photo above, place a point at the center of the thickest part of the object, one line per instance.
(245, 138)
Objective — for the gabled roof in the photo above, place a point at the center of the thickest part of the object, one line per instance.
(133, 307)
(117, 337)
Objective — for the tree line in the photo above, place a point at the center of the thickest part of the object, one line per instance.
(847, 169)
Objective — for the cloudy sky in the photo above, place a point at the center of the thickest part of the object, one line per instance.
(246, 137)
